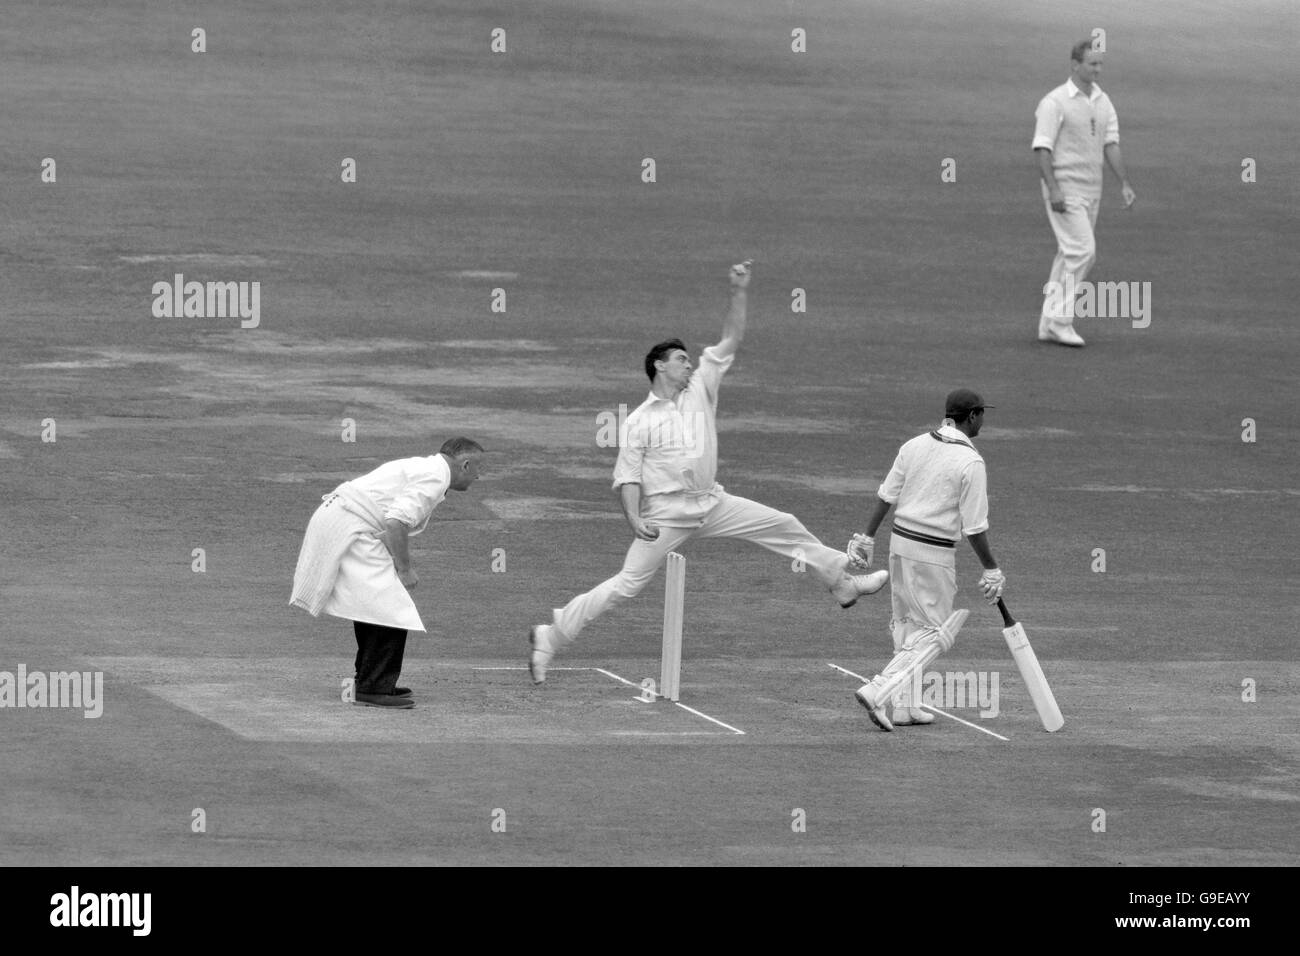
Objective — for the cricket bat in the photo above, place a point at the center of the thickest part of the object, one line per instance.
(1031, 672)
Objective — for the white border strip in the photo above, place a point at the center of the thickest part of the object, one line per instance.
(845, 670)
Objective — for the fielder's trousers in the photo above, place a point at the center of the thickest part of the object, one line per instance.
(1076, 251)
(379, 657)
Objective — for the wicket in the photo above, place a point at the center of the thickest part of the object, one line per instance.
(670, 669)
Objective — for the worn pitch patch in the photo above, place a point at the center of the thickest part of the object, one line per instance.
(296, 700)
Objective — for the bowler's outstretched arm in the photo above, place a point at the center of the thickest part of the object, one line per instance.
(733, 329)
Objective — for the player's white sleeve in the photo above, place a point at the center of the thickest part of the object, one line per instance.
(631, 453)
(710, 372)
(973, 500)
(892, 486)
(1047, 123)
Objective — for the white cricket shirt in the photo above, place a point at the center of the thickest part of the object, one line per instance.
(938, 488)
(671, 445)
(1077, 129)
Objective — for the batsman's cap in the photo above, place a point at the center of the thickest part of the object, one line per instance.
(962, 401)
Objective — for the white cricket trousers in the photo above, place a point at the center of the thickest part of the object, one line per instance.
(731, 517)
(1076, 251)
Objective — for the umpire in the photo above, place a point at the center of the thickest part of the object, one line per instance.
(355, 561)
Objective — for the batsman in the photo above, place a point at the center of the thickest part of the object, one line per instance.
(938, 489)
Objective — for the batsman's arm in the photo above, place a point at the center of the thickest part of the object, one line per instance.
(733, 328)
(861, 550)
(980, 542)
(877, 516)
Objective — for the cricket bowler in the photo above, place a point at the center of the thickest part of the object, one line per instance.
(665, 477)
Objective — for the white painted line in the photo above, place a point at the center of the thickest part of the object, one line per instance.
(845, 670)
(697, 713)
(624, 680)
(967, 723)
(734, 730)
(525, 667)
(617, 678)
(668, 733)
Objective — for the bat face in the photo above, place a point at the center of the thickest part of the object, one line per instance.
(1016, 637)
(1032, 674)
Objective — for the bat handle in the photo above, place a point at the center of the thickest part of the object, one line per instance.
(1007, 619)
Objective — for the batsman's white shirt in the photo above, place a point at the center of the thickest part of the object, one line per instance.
(367, 588)
(938, 487)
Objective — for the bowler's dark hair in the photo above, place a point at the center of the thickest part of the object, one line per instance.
(455, 447)
(658, 352)
(1080, 50)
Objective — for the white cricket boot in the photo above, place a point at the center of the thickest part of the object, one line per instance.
(876, 710)
(906, 713)
(850, 587)
(1061, 335)
(541, 640)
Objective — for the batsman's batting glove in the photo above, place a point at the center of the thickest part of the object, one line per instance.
(861, 550)
(992, 581)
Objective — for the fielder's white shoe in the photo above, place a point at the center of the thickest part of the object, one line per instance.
(541, 638)
(852, 586)
(866, 695)
(1060, 334)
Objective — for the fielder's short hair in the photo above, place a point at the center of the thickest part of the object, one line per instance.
(658, 352)
(1080, 50)
(456, 447)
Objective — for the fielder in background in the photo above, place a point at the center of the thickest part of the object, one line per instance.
(1075, 127)
(938, 489)
(665, 473)
(355, 561)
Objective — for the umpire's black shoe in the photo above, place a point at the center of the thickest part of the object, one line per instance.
(384, 700)
(399, 691)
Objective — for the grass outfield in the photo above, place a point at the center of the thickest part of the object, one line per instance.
(522, 171)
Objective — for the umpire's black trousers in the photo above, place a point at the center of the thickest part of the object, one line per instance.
(379, 657)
